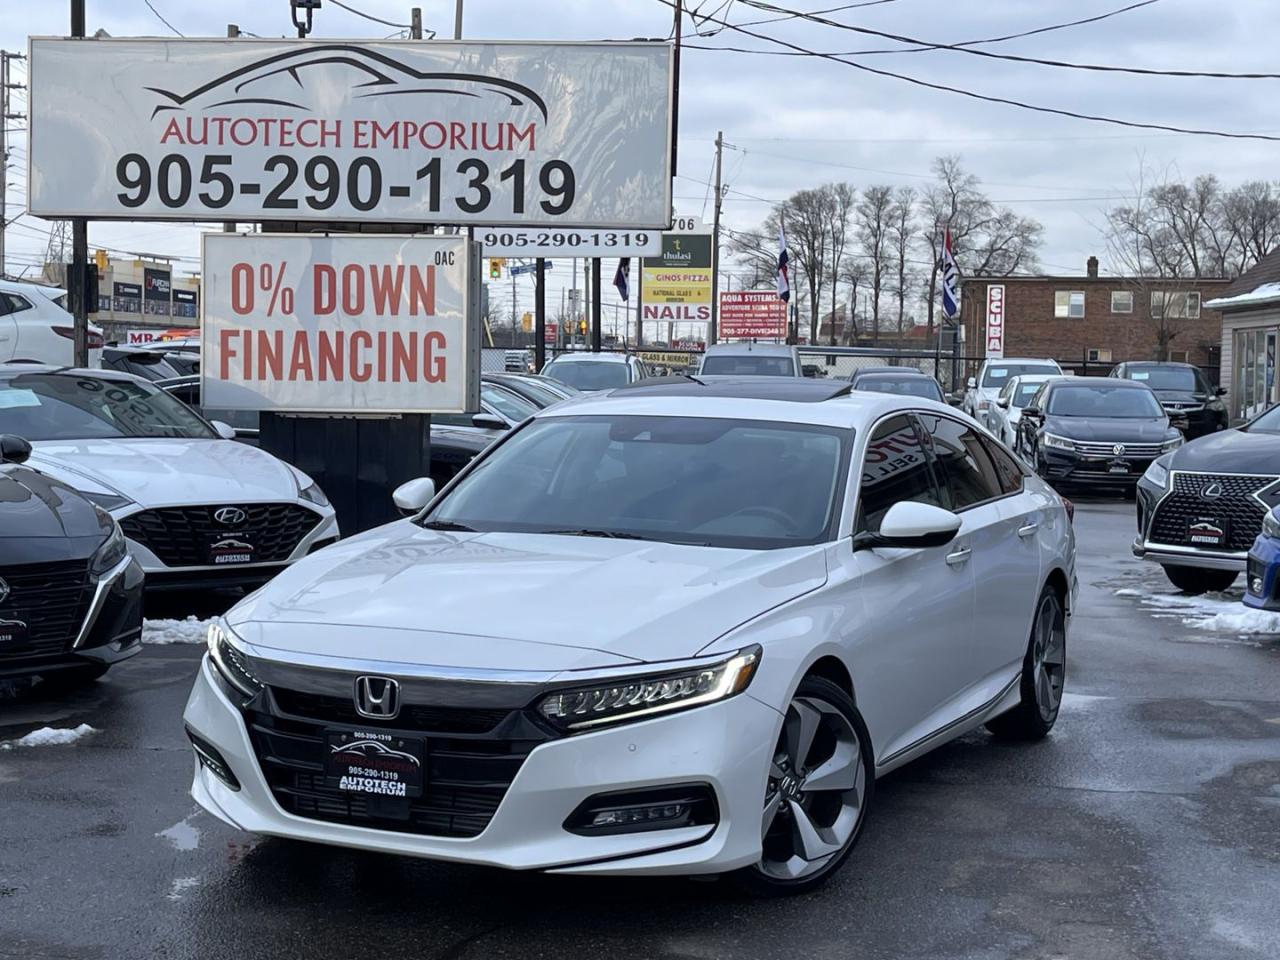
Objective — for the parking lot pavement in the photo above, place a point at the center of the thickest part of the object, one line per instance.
(1146, 826)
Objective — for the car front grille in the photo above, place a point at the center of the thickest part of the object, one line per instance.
(52, 599)
(1134, 450)
(1175, 407)
(467, 774)
(1237, 505)
(182, 536)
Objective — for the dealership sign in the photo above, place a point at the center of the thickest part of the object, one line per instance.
(344, 324)
(550, 242)
(677, 282)
(752, 313)
(563, 134)
(995, 320)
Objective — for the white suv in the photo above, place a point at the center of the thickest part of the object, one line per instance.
(590, 372)
(35, 326)
(980, 397)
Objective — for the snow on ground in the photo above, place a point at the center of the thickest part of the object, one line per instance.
(1215, 612)
(49, 737)
(190, 630)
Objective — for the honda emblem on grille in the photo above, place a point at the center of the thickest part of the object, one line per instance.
(230, 516)
(4, 590)
(1118, 449)
(1211, 491)
(377, 697)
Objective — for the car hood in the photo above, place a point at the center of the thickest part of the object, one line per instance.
(518, 601)
(156, 472)
(1230, 451)
(42, 520)
(1109, 429)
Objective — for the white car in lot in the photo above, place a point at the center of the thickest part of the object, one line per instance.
(197, 508)
(1006, 413)
(779, 591)
(982, 390)
(36, 327)
(590, 372)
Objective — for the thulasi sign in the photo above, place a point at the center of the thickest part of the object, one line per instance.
(344, 324)
(567, 134)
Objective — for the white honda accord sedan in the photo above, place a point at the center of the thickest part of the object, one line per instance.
(196, 508)
(676, 628)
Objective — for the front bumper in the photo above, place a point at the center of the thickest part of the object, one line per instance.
(726, 745)
(1264, 572)
(1065, 466)
(1175, 556)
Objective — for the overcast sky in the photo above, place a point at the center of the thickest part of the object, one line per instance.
(797, 122)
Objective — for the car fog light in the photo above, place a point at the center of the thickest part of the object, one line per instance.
(638, 811)
(630, 816)
(1255, 586)
(212, 760)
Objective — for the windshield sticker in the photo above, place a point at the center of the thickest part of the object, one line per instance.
(1138, 375)
(998, 374)
(12, 398)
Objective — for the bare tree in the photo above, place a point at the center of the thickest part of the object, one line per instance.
(807, 215)
(901, 237)
(1251, 214)
(843, 200)
(854, 271)
(874, 213)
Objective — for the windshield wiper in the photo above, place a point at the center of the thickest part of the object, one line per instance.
(609, 534)
(447, 525)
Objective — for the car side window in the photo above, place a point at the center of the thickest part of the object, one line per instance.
(16, 303)
(1007, 469)
(895, 468)
(968, 474)
(1007, 390)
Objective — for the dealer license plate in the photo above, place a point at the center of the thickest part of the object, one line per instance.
(1119, 466)
(1207, 532)
(231, 549)
(375, 763)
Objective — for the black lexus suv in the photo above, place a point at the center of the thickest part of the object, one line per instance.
(1200, 507)
(70, 594)
(1183, 391)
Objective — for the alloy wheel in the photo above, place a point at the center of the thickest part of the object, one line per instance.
(816, 793)
(1049, 655)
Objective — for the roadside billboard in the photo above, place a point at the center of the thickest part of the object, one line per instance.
(355, 324)
(564, 134)
(995, 320)
(677, 282)
(752, 313)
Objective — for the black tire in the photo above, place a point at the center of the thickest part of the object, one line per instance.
(761, 879)
(1044, 674)
(1198, 580)
(74, 677)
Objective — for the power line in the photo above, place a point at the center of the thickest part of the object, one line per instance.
(845, 6)
(1005, 101)
(1014, 58)
(369, 16)
(160, 17)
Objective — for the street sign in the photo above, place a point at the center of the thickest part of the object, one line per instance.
(360, 324)
(561, 134)
(677, 282)
(550, 242)
(752, 313)
(995, 320)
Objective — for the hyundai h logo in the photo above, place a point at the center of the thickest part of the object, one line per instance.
(1211, 491)
(4, 590)
(377, 697)
(230, 516)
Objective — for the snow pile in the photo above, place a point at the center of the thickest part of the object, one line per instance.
(49, 737)
(1219, 613)
(1260, 294)
(190, 630)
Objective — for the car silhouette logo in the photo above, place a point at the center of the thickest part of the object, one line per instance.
(4, 590)
(230, 516)
(374, 749)
(377, 697)
(1118, 449)
(1211, 491)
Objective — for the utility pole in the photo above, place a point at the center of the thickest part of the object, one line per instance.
(457, 20)
(6, 114)
(513, 308)
(233, 31)
(79, 246)
(675, 85)
(715, 245)
(415, 23)
(540, 315)
(595, 305)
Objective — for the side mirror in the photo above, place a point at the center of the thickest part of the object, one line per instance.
(1030, 412)
(1002, 403)
(955, 399)
(224, 430)
(971, 383)
(488, 421)
(1219, 391)
(910, 524)
(411, 497)
(13, 449)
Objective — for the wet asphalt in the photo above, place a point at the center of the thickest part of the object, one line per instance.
(1147, 826)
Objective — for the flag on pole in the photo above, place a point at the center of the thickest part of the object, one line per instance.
(622, 279)
(784, 280)
(950, 280)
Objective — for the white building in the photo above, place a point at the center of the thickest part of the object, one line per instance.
(1250, 309)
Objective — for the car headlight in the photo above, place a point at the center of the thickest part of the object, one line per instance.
(111, 552)
(230, 662)
(1271, 525)
(1057, 442)
(1173, 444)
(634, 698)
(312, 493)
(1157, 474)
(107, 501)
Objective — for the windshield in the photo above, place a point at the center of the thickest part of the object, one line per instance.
(514, 408)
(1268, 422)
(997, 376)
(536, 393)
(588, 374)
(47, 406)
(748, 365)
(1025, 392)
(714, 482)
(1104, 401)
(149, 366)
(903, 386)
(1168, 378)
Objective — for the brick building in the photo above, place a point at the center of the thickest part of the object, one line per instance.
(1093, 319)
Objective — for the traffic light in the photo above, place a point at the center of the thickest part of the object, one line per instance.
(495, 267)
(100, 258)
(582, 327)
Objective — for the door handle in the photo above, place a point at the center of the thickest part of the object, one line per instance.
(957, 557)
(1029, 528)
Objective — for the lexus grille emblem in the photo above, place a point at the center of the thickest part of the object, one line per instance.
(1118, 449)
(377, 697)
(230, 516)
(4, 590)
(1211, 491)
